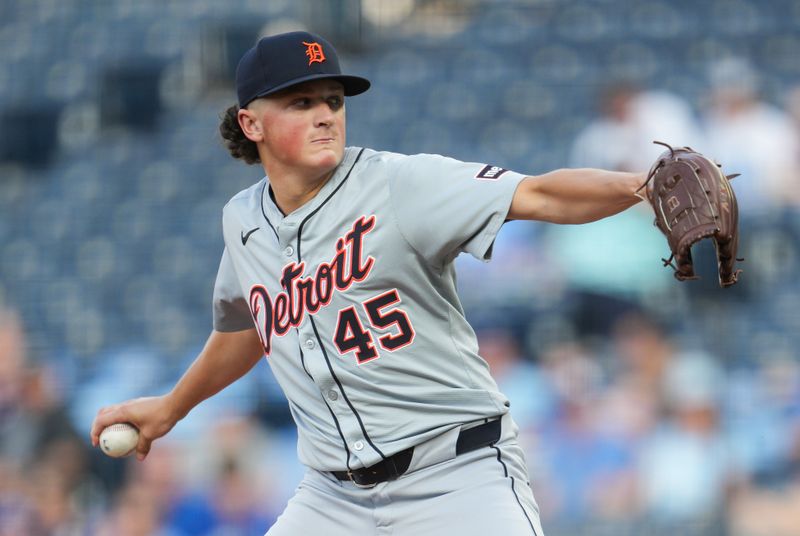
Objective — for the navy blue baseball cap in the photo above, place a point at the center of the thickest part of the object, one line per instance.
(280, 61)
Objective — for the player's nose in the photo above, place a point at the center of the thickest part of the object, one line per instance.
(323, 115)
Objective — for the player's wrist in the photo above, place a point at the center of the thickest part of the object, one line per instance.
(636, 186)
(174, 409)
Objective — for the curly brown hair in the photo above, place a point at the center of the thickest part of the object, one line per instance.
(234, 139)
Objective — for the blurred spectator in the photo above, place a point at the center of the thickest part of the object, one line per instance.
(764, 417)
(519, 273)
(793, 108)
(501, 346)
(616, 257)
(667, 404)
(631, 119)
(619, 255)
(14, 447)
(47, 485)
(181, 491)
(629, 407)
(754, 138)
(684, 463)
(134, 513)
(231, 491)
(763, 420)
(765, 512)
(589, 469)
(642, 351)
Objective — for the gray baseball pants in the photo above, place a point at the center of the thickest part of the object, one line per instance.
(479, 493)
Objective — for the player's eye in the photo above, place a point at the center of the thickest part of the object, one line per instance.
(302, 102)
(335, 102)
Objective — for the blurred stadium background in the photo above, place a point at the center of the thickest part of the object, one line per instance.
(647, 406)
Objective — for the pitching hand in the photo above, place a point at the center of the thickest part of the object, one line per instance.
(151, 415)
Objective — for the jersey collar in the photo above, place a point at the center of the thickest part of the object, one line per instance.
(274, 214)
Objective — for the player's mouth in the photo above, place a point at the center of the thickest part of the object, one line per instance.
(323, 140)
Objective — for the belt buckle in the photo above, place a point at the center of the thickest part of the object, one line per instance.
(357, 484)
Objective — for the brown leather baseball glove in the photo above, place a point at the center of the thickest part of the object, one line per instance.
(693, 200)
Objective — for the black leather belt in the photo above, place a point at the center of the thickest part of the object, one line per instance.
(392, 467)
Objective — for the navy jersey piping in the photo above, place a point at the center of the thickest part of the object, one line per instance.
(513, 489)
(303, 223)
(341, 388)
(302, 356)
(264, 212)
(314, 325)
(335, 420)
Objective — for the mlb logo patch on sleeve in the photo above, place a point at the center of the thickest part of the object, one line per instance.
(490, 172)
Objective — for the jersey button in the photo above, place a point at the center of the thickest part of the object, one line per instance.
(333, 395)
(288, 251)
(358, 445)
(310, 344)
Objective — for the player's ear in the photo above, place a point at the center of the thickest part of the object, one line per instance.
(250, 125)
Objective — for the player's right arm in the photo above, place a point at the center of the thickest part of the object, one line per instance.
(226, 357)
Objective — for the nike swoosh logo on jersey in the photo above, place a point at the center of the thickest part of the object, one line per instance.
(246, 236)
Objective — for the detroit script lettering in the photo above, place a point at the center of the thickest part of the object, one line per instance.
(303, 295)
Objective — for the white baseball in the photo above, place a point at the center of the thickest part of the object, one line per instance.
(119, 440)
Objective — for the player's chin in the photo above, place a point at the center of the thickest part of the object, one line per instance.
(328, 156)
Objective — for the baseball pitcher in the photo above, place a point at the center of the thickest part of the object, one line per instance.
(338, 267)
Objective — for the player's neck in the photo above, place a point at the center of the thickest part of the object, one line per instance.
(292, 191)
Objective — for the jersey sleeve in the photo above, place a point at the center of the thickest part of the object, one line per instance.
(231, 312)
(444, 206)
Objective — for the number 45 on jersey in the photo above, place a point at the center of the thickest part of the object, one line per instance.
(351, 336)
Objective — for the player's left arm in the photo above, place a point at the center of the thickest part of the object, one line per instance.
(575, 195)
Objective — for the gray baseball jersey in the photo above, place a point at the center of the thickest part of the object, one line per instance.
(354, 298)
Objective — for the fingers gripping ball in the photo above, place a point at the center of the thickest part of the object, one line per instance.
(119, 440)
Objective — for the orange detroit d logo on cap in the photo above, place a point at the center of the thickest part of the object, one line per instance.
(314, 52)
